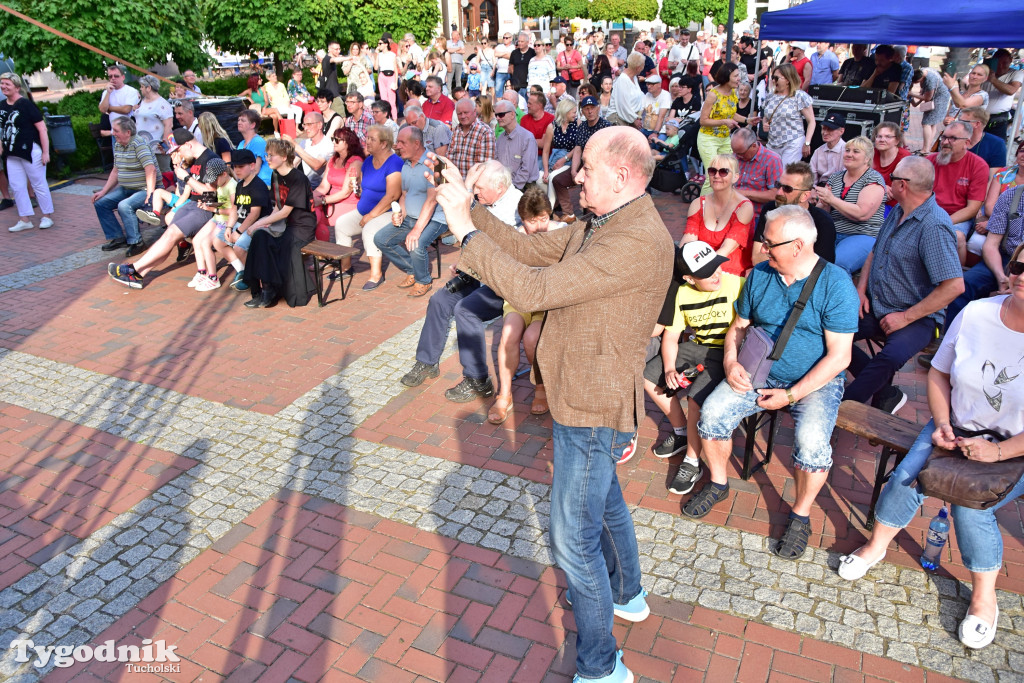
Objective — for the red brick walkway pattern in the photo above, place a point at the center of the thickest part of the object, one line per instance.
(311, 591)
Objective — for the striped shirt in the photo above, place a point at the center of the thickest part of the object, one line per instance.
(131, 161)
(1000, 223)
(708, 313)
(845, 226)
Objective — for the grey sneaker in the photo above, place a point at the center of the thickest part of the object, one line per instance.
(673, 443)
(469, 389)
(419, 372)
(686, 476)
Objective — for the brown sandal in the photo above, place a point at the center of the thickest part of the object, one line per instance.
(499, 410)
(540, 401)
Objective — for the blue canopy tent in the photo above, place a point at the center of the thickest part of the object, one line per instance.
(949, 23)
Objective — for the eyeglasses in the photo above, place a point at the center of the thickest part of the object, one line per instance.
(768, 246)
(1015, 268)
(896, 177)
(951, 138)
(789, 188)
(719, 171)
(310, 123)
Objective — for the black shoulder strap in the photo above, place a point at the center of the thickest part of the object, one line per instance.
(1015, 205)
(798, 309)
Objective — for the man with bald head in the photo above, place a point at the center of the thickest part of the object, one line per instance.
(913, 274)
(472, 140)
(591, 354)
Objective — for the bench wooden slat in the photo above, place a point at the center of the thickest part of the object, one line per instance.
(878, 426)
(328, 250)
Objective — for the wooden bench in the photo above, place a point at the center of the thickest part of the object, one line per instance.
(327, 253)
(894, 434)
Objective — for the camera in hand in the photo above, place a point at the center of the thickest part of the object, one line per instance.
(459, 282)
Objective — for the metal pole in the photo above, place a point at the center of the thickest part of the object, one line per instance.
(757, 70)
(727, 56)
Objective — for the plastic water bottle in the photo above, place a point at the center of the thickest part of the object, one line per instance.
(938, 533)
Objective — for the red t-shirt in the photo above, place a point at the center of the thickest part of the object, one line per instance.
(537, 127)
(799, 66)
(739, 260)
(959, 182)
(886, 171)
(441, 111)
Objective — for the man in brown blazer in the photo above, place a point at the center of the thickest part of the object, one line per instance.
(602, 283)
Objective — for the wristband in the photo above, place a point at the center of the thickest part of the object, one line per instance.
(789, 395)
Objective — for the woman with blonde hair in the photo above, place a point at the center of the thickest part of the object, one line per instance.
(354, 67)
(278, 104)
(722, 219)
(788, 116)
(971, 96)
(485, 111)
(214, 136)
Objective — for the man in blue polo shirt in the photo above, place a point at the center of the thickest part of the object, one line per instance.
(808, 377)
(913, 274)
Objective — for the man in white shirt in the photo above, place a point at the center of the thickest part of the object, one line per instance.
(415, 51)
(683, 52)
(656, 104)
(185, 115)
(118, 99)
(1002, 86)
(193, 91)
(828, 158)
(313, 148)
(627, 98)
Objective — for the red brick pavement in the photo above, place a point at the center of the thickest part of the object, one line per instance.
(308, 590)
(59, 482)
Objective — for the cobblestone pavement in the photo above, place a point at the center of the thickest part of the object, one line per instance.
(243, 459)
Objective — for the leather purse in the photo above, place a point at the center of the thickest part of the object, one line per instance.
(758, 352)
(950, 476)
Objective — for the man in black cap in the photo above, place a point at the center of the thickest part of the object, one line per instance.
(557, 94)
(828, 158)
(205, 173)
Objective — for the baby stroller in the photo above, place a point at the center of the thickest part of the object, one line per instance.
(671, 174)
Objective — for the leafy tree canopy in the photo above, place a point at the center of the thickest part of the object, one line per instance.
(616, 10)
(143, 32)
(683, 12)
(398, 17)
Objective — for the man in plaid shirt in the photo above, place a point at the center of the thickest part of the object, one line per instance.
(359, 119)
(472, 140)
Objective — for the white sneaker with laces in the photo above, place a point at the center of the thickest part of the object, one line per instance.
(207, 284)
(45, 223)
(196, 279)
(21, 225)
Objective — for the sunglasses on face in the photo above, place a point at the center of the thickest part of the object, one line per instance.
(1015, 268)
(712, 171)
(500, 114)
(789, 188)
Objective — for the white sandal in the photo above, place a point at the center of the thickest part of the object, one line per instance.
(975, 633)
(853, 567)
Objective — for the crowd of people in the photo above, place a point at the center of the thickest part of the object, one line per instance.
(858, 238)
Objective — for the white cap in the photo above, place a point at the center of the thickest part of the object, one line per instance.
(653, 78)
(800, 45)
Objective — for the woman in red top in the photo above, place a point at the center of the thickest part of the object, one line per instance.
(889, 151)
(724, 218)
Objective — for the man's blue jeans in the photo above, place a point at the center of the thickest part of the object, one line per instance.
(499, 83)
(391, 240)
(981, 544)
(471, 307)
(872, 374)
(592, 538)
(124, 202)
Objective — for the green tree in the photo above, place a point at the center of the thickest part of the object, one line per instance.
(683, 12)
(419, 17)
(143, 32)
(250, 26)
(538, 8)
(617, 10)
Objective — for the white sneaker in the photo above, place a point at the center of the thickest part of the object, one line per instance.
(207, 284)
(196, 279)
(21, 225)
(45, 223)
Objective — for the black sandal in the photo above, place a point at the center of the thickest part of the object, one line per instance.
(794, 539)
(705, 499)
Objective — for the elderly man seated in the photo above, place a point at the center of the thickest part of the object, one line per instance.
(961, 181)
(467, 302)
(436, 135)
(807, 378)
(760, 168)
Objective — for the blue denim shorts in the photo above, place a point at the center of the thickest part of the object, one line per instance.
(242, 241)
(814, 415)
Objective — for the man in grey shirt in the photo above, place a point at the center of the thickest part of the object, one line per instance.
(516, 148)
(436, 135)
(456, 50)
